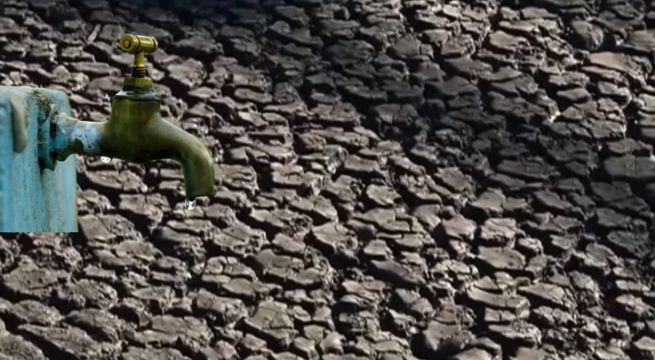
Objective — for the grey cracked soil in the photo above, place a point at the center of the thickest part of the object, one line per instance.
(400, 179)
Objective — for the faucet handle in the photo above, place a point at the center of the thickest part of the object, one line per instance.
(138, 45)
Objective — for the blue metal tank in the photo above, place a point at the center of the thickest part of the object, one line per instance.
(32, 198)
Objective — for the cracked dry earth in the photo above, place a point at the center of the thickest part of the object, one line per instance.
(400, 179)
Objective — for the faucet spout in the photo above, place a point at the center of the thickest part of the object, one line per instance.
(136, 132)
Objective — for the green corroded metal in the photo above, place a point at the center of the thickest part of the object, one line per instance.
(33, 199)
(135, 130)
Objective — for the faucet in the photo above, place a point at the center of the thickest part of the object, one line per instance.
(135, 131)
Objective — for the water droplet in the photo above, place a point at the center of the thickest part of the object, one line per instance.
(105, 159)
(189, 204)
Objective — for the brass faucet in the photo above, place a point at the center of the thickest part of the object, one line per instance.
(135, 130)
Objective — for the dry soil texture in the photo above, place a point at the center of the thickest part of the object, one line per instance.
(400, 179)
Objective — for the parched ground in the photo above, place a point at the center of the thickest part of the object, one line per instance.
(400, 179)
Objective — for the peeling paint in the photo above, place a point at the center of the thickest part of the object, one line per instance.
(88, 135)
(75, 137)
